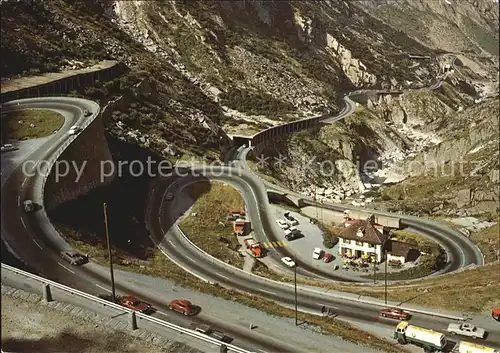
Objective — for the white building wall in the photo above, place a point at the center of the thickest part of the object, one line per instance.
(391, 257)
(365, 248)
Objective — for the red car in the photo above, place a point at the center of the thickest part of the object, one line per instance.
(133, 303)
(327, 257)
(182, 306)
(395, 313)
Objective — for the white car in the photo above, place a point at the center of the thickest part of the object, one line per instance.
(288, 261)
(282, 224)
(466, 329)
(28, 206)
(317, 253)
(8, 147)
(290, 219)
(74, 130)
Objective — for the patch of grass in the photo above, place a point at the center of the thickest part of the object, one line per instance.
(30, 123)
(262, 270)
(213, 200)
(450, 292)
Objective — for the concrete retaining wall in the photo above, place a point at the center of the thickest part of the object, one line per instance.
(89, 151)
(46, 86)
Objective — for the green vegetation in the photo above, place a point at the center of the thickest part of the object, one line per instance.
(213, 201)
(450, 292)
(330, 234)
(253, 102)
(30, 124)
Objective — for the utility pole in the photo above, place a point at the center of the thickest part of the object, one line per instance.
(109, 252)
(295, 281)
(386, 277)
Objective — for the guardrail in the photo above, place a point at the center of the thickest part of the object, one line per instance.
(132, 314)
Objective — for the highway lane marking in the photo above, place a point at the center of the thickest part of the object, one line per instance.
(265, 291)
(274, 244)
(224, 277)
(19, 200)
(162, 312)
(22, 221)
(106, 289)
(172, 244)
(67, 269)
(190, 258)
(24, 181)
(34, 167)
(34, 241)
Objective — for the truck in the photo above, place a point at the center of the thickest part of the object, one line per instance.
(429, 340)
(255, 247)
(467, 347)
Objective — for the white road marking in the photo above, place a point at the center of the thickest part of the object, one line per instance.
(189, 258)
(224, 277)
(67, 269)
(22, 221)
(34, 241)
(34, 167)
(172, 244)
(265, 291)
(19, 200)
(161, 312)
(24, 181)
(106, 289)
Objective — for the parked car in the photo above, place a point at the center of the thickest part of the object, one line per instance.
(495, 314)
(282, 224)
(288, 261)
(74, 130)
(209, 331)
(395, 313)
(135, 304)
(74, 257)
(86, 113)
(182, 306)
(293, 235)
(317, 253)
(169, 196)
(28, 206)
(291, 219)
(8, 147)
(327, 257)
(466, 329)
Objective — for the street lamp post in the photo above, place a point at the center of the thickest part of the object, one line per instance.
(385, 277)
(295, 281)
(109, 252)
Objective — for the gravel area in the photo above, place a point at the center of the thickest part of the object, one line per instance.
(31, 325)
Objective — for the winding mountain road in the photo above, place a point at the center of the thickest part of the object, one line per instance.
(32, 238)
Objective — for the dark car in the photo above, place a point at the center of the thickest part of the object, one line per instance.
(74, 257)
(395, 313)
(209, 331)
(133, 303)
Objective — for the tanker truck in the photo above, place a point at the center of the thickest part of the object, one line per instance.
(429, 340)
(467, 347)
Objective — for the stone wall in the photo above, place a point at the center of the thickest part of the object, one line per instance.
(89, 157)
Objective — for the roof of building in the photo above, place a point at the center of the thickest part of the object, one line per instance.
(398, 248)
(370, 233)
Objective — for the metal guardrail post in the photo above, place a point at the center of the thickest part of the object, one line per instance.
(47, 294)
(132, 320)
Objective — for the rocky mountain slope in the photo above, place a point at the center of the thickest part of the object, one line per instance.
(240, 66)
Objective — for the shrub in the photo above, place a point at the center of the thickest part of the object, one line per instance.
(330, 240)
